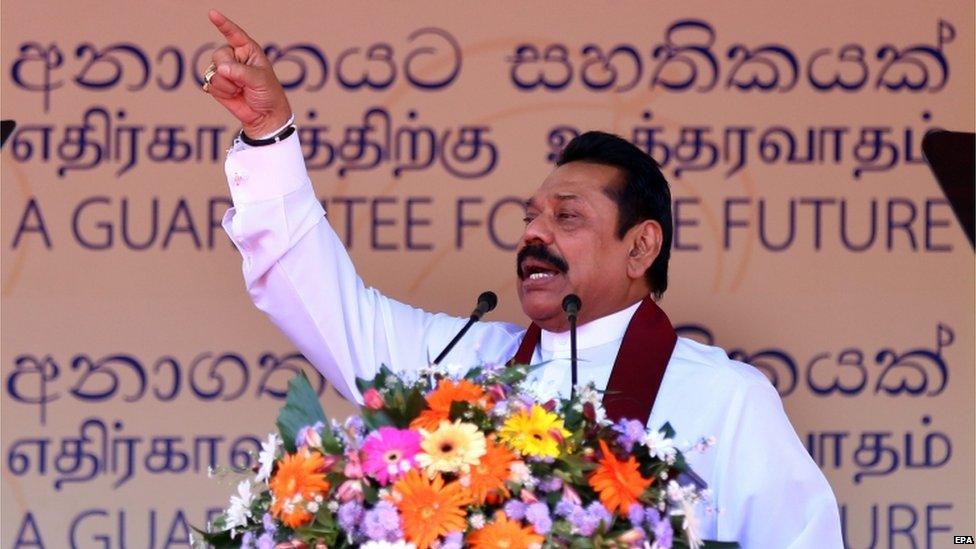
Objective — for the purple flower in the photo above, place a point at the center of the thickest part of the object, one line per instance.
(551, 484)
(636, 515)
(583, 523)
(454, 540)
(600, 513)
(630, 432)
(269, 524)
(382, 523)
(266, 541)
(653, 517)
(586, 521)
(661, 527)
(353, 431)
(565, 508)
(537, 515)
(350, 514)
(247, 540)
(515, 509)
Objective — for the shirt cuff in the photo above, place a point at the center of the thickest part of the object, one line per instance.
(291, 120)
(257, 174)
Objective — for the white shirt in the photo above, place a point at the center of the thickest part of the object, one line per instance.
(769, 492)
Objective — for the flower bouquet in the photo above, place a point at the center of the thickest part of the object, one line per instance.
(442, 462)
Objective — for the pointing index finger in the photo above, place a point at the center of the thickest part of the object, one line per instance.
(236, 37)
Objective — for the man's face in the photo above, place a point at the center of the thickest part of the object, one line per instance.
(570, 245)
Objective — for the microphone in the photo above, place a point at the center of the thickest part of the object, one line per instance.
(571, 306)
(486, 302)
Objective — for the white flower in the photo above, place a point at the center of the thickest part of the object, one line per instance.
(387, 545)
(477, 521)
(519, 472)
(690, 525)
(675, 493)
(659, 445)
(240, 506)
(588, 394)
(500, 409)
(266, 457)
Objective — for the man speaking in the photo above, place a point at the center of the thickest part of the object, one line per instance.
(599, 227)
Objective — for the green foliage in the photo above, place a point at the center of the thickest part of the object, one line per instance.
(302, 408)
(401, 402)
(324, 527)
(217, 540)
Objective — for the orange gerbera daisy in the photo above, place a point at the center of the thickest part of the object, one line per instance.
(299, 479)
(619, 483)
(504, 533)
(489, 475)
(430, 508)
(440, 399)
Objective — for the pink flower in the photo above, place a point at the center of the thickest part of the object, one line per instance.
(390, 453)
(497, 393)
(528, 497)
(349, 490)
(373, 400)
(570, 495)
(354, 466)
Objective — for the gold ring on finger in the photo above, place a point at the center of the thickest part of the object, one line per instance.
(207, 76)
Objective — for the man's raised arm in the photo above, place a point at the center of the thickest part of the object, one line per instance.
(295, 268)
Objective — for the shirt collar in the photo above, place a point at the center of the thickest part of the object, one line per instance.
(592, 334)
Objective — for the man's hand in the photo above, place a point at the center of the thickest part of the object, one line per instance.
(245, 83)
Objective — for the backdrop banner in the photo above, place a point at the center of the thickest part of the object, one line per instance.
(811, 239)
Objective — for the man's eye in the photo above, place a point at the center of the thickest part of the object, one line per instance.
(565, 215)
(527, 219)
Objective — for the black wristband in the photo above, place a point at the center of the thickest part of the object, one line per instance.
(280, 136)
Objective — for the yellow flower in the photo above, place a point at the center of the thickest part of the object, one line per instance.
(534, 432)
(453, 447)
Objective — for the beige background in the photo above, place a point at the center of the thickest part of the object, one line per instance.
(823, 306)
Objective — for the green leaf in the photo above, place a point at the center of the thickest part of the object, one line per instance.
(218, 540)
(374, 419)
(667, 430)
(364, 384)
(458, 409)
(415, 403)
(370, 493)
(301, 408)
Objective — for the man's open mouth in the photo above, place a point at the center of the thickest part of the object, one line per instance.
(535, 262)
(535, 269)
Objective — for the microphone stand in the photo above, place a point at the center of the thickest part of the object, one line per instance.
(486, 302)
(571, 305)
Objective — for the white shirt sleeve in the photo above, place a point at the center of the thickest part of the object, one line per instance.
(297, 271)
(772, 494)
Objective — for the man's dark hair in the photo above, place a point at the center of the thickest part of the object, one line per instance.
(644, 195)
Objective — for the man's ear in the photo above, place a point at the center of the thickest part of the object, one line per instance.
(645, 240)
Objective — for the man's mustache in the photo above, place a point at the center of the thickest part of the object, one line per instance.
(540, 252)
